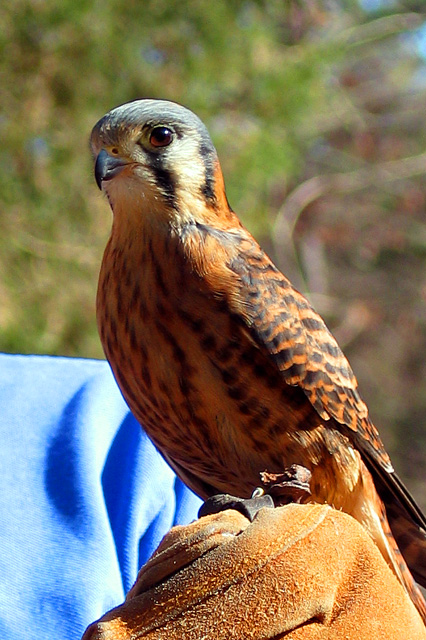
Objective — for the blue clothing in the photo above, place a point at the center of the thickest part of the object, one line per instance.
(84, 496)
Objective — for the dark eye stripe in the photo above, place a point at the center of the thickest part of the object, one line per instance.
(166, 183)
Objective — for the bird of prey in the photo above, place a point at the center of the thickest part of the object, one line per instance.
(224, 363)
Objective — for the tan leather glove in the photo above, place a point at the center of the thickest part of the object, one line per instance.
(296, 572)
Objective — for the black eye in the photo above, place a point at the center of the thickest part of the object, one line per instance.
(160, 137)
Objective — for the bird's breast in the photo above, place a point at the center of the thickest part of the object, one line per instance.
(207, 397)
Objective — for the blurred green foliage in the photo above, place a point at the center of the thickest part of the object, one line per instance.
(317, 111)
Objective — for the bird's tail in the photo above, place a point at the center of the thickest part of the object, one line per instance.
(404, 551)
(402, 542)
(410, 539)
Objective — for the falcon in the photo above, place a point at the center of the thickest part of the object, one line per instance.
(224, 363)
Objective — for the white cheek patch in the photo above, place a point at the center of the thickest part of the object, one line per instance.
(185, 164)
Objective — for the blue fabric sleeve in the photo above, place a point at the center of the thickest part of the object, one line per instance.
(84, 496)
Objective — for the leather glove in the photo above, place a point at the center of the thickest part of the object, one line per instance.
(299, 572)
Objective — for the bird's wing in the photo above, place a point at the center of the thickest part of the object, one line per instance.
(282, 324)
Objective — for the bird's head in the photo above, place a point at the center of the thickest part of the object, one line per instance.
(155, 158)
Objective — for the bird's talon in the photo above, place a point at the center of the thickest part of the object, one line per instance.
(248, 507)
(293, 485)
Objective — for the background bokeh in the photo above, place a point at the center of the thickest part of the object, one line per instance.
(318, 111)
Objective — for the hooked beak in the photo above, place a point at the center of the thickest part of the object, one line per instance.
(106, 167)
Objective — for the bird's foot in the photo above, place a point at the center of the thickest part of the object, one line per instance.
(248, 507)
(293, 485)
(278, 489)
